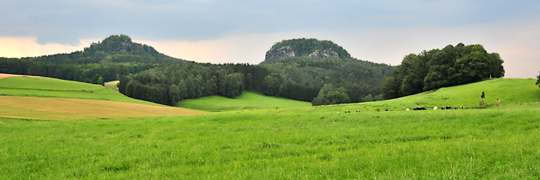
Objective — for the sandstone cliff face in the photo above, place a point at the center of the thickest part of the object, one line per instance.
(286, 52)
(280, 53)
(324, 54)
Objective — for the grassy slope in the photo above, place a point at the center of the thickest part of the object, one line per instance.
(54, 99)
(247, 100)
(508, 91)
(49, 87)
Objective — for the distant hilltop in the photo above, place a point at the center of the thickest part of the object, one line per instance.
(313, 48)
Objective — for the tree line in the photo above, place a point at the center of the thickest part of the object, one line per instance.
(439, 68)
(298, 78)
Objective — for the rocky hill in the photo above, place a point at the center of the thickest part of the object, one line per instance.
(112, 58)
(312, 48)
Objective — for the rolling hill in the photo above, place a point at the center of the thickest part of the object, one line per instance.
(37, 98)
(510, 92)
(247, 101)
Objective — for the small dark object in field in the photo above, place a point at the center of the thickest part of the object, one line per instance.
(386, 110)
(419, 108)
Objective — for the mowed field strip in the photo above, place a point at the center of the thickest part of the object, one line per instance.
(73, 109)
(53, 99)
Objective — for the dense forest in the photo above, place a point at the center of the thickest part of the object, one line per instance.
(115, 56)
(445, 67)
(171, 84)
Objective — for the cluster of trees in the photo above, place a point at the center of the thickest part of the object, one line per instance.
(171, 84)
(436, 68)
(538, 81)
(115, 56)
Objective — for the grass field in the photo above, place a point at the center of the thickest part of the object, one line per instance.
(247, 100)
(495, 142)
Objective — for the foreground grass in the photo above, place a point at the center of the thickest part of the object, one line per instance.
(492, 143)
(247, 100)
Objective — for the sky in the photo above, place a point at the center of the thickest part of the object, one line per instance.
(241, 31)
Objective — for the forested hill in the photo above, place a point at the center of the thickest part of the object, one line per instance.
(109, 59)
(322, 72)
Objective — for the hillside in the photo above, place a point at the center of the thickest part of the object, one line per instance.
(247, 101)
(37, 98)
(510, 92)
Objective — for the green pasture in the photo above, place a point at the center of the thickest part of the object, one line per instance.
(247, 100)
(56, 88)
(493, 143)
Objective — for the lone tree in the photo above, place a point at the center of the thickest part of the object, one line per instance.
(538, 81)
(483, 96)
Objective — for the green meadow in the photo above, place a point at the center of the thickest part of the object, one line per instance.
(247, 100)
(323, 142)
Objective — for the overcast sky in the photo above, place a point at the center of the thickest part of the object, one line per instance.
(219, 31)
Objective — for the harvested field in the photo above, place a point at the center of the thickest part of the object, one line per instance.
(2, 75)
(37, 108)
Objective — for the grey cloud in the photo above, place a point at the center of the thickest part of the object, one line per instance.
(67, 21)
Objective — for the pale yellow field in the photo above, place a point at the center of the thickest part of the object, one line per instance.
(112, 85)
(2, 75)
(38, 108)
